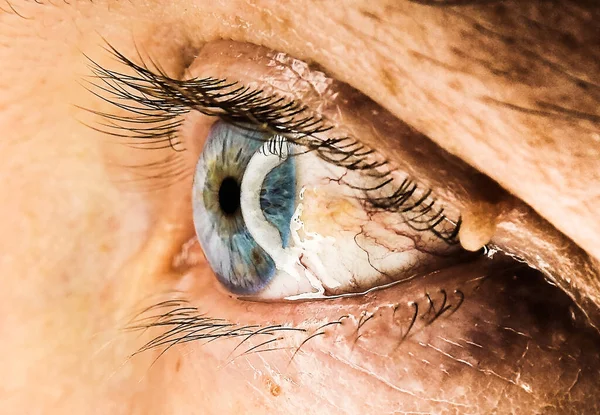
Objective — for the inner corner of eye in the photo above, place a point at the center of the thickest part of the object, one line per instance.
(278, 220)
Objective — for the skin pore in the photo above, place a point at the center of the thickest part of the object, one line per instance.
(508, 87)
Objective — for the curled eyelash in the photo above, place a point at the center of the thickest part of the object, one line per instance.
(156, 105)
(179, 323)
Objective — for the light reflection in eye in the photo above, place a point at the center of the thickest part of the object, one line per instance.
(276, 221)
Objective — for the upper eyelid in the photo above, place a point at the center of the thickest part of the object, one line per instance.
(161, 101)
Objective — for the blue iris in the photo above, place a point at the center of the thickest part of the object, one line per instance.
(239, 262)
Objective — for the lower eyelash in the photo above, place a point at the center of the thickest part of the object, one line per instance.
(157, 103)
(183, 323)
(180, 323)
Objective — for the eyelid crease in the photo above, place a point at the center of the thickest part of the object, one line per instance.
(159, 102)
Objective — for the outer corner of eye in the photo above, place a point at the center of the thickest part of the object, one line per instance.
(276, 221)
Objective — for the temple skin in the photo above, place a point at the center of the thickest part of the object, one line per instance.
(507, 87)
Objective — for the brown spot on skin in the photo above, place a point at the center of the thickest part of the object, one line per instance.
(370, 15)
(389, 80)
(501, 10)
(178, 365)
(274, 388)
(285, 23)
(455, 85)
(570, 41)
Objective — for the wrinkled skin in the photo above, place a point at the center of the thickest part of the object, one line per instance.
(508, 89)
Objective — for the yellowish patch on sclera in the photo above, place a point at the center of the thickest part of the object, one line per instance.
(326, 215)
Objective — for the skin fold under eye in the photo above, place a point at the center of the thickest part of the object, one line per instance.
(460, 323)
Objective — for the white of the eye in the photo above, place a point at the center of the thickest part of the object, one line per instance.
(311, 244)
(264, 233)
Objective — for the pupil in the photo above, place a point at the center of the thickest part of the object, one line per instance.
(229, 196)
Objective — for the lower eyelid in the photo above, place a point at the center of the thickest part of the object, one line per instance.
(473, 316)
(496, 330)
(212, 299)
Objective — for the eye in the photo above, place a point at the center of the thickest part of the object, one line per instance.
(277, 220)
(288, 203)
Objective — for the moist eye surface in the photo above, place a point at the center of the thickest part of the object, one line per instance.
(277, 221)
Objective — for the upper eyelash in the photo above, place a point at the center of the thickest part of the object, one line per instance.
(156, 104)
